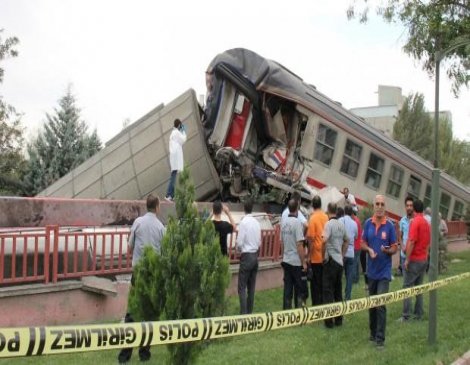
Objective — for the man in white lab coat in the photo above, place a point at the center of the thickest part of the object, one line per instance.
(177, 139)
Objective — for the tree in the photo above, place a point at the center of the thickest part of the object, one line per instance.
(413, 127)
(432, 26)
(11, 132)
(63, 144)
(415, 130)
(188, 279)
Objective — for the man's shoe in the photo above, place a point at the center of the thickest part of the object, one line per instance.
(372, 339)
(169, 199)
(380, 346)
(403, 319)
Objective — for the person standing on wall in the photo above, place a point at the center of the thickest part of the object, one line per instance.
(145, 231)
(177, 139)
(380, 242)
(248, 242)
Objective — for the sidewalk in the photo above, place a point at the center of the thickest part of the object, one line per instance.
(463, 360)
(459, 246)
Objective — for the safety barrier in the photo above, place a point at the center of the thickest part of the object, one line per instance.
(35, 341)
(55, 253)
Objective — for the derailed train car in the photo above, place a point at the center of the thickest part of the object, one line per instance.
(269, 133)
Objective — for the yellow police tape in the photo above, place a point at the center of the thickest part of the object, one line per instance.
(33, 341)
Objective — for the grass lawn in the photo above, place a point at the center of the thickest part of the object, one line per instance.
(406, 343)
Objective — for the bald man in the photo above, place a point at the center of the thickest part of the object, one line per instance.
(380, 242)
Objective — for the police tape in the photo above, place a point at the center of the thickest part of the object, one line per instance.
(35, 341)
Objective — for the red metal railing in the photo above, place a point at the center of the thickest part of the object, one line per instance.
(270, 248)
(457, 229)
(53, 254)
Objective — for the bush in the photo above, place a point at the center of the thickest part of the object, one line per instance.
(189, 278)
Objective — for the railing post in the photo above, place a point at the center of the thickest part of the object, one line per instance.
(55, 253)
(277, 243)
(47, 250)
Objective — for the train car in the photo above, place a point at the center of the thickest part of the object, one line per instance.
(270, 133)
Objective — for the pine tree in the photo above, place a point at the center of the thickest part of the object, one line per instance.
(188, 279)
(63, 144)
(11, 132)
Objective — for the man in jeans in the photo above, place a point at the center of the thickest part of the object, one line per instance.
(380, 242)
(146, 231)
(335, 242)
(348, 260)
(248, 242)
(416, 260)
(293, 260)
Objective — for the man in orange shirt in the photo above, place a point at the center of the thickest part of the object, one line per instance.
(316, 224)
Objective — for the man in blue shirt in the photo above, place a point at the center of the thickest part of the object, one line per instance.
(403, 228)
(379, 240)
(348, 260)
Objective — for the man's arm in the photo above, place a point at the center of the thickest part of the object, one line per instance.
(241, 236)
(301, 252)
(344, 248)
(365, 247)
(229, 215)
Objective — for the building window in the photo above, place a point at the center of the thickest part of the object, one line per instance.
(414, 187)
(444, 206)
(395, 181)
(427, 196)
(351, 158)
(325, 146)
(374, 171)
(458, 211)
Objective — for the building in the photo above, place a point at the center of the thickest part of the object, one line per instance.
(384, 115)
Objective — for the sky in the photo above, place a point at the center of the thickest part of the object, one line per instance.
(123, 58)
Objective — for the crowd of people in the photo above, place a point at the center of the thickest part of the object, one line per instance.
(337, 243)
(319, 249)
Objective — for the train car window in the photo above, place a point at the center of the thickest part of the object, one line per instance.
(325, 146)
(395, 181)
(414, 187)
(444, 206)
(427, 196)
(374, 171)
(457, 214)
(351, 158)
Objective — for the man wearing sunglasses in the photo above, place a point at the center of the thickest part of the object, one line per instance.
(379, 241)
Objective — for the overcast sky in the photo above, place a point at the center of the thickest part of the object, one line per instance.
(123, 58)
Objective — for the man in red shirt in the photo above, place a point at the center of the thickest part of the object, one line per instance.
(416, 259)
(357, 247)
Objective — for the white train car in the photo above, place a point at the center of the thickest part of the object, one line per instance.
(270, 133)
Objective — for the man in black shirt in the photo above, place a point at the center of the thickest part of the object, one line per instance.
(223, 228)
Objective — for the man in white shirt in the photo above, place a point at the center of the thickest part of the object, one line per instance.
(177, 139)
(349, 199)
(248, 242)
